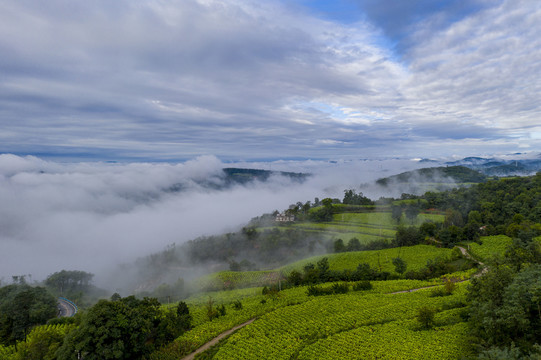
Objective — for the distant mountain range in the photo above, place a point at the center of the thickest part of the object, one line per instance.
(239, 176)
(441, 175)
(501, 167)
(242, 176)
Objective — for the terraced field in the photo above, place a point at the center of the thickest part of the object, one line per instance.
(490, 246)
(365, 226)
(297, 326)
(226, 280)
(415, 257)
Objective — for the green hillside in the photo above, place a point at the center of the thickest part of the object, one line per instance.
(442, 174)
(414, 292)
(415, 256)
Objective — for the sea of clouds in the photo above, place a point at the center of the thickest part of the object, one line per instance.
(92, 216)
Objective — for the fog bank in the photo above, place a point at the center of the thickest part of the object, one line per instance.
(91, 216)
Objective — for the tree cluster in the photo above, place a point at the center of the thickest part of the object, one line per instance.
(321, 273)
(352, 198)
(505, 303)
(124, 328)
(21, 308)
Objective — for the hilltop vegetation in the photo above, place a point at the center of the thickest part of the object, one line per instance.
(442, 174)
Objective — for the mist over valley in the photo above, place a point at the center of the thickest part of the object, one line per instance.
(94, 216)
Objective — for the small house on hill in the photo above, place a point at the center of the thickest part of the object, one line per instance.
(284, 218)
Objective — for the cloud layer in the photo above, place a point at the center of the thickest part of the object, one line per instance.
(162, 80)
(91, 216)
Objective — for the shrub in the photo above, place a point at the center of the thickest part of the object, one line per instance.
(425, 317)
(237, 305)
(338, 288)
(362, 285)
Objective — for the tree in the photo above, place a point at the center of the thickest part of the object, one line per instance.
(21, 308)
(523, 250)
(339, 246)
(425, 317)
(234, 266)
(400, 265)
(68, 282)
(323, 269)
(411, 212)
(183, 313)
(475, 217)
(311, 274)
(364, 272)
(407, 236)
(352, 198)
(486, 296)
(294, 278)
(428, 228)
(327, 203)
(453, 217)
(354, 245)
(505, 307)
(396, 213)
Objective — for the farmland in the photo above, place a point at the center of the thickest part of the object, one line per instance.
(365, 226)
(294, 330)
(415, 256)
(489, 247)
(287, 325)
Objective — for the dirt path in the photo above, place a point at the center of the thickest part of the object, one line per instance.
(214, 341)
(411, 290)
(467, 254)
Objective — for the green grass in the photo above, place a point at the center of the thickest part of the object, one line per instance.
(225, 280)
(383, 219)
(251, 298)
(490, 246)
(365, 226)
(395, 340)
(347, 228)
(415, 256)
(308, 329)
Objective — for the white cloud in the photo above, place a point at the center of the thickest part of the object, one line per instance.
(89, 216)
(239, 78)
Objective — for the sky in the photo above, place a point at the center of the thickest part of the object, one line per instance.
(251, 80)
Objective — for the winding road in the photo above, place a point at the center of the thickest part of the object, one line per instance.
(66, 308)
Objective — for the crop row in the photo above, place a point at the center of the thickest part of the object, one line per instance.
(225, 280)
(338, 228)
(490, 246)
(288, 330)
(415, 257)
(255, 304)
(394, 340)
